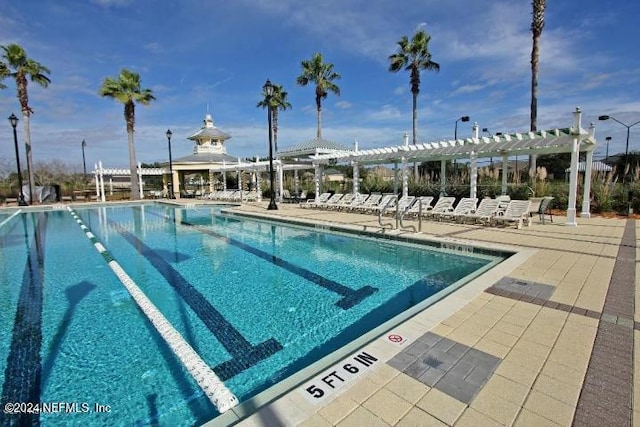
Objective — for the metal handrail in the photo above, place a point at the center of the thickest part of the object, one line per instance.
(384, 209)
(413, 227)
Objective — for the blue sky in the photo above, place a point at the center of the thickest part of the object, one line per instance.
(199, 53)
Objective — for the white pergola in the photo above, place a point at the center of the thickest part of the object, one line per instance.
(573, 139)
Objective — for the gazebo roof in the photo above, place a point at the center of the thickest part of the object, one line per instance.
(314, 147)
(212, 133)
(206, 158)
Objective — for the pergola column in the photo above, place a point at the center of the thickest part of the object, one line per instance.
(505, 173)
(474, 165)
(318, 179)
(573, 171)
(586, 195)
(443, 177)
(280, 180)
(296, 182)
(258, 188)
(356, 178)
(405, 178)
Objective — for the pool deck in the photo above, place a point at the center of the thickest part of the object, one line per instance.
(548, 337)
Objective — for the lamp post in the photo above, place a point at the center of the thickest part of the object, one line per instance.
(626, 158)
(606, 158)
(455, 136)
(268, 90)
(14, 122)
(84, 163)
(170, 183)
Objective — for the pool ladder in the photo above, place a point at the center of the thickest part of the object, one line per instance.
(399, 216)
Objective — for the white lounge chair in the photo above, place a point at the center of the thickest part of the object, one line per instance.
(384, 201)
(372, 201)
(486, 210)
(517, 211)
(442, 205)
(344, 201)
(464, 206)
(311, 203)
(421, 205)
(333, 200)
(357, 201)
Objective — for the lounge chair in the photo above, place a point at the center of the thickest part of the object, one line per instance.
(441, 206)
(421, 205)
(503, 202)
(357, 201)
(371, 202)
(545, 209)
(311, 203)
(464, 206)
(382, 204)
(344, 201)
(332, 201)
(517, 211)
(486, 210)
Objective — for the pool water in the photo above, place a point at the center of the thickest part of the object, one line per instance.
(257, 300)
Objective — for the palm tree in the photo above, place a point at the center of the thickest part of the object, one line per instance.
(4, 73)
(537, 24)
(277, 101)
(20, 67)
(126, 89)
(414, 56)
(322, 74)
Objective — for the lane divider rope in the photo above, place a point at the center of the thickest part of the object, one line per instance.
(221, 397)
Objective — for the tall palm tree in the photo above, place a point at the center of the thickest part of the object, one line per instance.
(278, 101)
(21, 68)
(537, 24)
(322, 74)
(4, 73)
(413, 55)
(126, 89)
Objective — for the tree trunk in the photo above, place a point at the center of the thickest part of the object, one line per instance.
(319, 108)
(534, 94)
(27, 143)
(275, 130)
(135, 183)
(415, 131)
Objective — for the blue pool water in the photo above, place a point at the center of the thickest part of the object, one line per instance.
(257, 300)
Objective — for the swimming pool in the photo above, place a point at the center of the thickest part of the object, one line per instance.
(257, 300)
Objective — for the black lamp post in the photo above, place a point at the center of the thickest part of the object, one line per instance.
(268, 90)
(606, 158)
(14, 122)
(84, 163)
(626, 158)
(170, 183)
(455, 135)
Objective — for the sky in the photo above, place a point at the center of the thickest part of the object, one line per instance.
(200, 56)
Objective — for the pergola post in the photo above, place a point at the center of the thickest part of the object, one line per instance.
(586, 195)
(280, 179)
(258, 188)
(356, 178)
(405, 178)
(443, 177)
(140, 183)
(505, 173)
(474, 164)
(395, 178)
(318, 179)
(239, 170)
(573, 173)
(296, 182)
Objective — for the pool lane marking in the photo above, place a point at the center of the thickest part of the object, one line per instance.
(10, 218)
(221, 397)
(23, 372)
(349, 298)
(243, 354)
